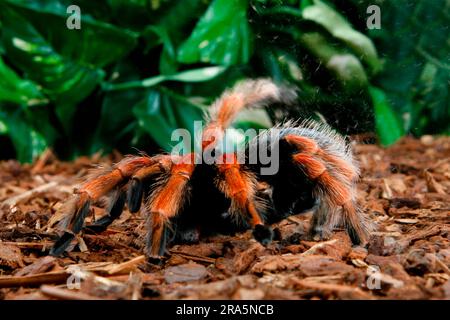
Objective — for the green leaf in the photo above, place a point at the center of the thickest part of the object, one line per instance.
(28, 142)
(150, 118)
(281, 65)
(222, 36)
(197, 75)
(168, 63)
(66, 63)
(194, 75)
(305, 3)
(346, 67)
(163, 111)
(253, 118)
(17, 90)
(416, 76)
(338, 26)
(116, 120)
(64, 81)
(389, 128)
(179, 15)
(95, 44)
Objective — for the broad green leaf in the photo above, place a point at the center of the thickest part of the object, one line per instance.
(305, 3)
(253, 119)
(17, 90)
(239, 134)
(3, 127)
(184, 111)
(414, 44)
(155, 35)
(28, 142)
(150, 118)
(281, 64)
(95, 44)
(63, 80)
(197, 75)
(194, 75)
(338, 26)
(179, 15)
(389, 128)
(66, 63)
(346, 67)
(222, 35)
(162, 111)
(116, 118)
(172, 15)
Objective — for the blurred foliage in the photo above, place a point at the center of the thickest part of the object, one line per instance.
(137, 70)
(414, 45)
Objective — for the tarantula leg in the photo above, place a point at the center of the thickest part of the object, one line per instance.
(113, 212)
(83, 203)
(262, 233)
(75, 211)
(337, 192)
(239, 186)
(157, 238)
(321, 225)
(356, 224)
(308, 146)
(134, 195)
(165, 202)
(137, 184)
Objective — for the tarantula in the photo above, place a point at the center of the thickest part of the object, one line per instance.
(186, 198)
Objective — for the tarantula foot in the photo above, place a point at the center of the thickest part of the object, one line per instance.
(319, 234)
(134, 196)
(156, 260)
(263, 234)
(99, 225)
(113, 213)
(61, 244)
(64, 241)
(189, 236)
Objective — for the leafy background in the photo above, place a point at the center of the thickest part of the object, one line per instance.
(138, 69)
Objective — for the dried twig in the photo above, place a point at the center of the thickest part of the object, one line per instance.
(344, 291)
(34, 280)
(126, 267)
(193, 257)
(316, 247)
(45, 157)
(65, 294)
(11, 202)
(29, 245)
(443, 266)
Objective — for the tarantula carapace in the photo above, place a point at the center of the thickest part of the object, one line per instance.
(185, 197)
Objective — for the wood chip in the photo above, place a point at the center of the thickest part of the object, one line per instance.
(432, 184)
(126, 267)
(13, 201)
(185, 273)
(10, 256)
(407, 221)
(344, 292)
(65, 294)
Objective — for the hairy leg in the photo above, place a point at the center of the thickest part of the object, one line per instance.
(240, 186)
(335, 178)
(101, 182)
(165, 202)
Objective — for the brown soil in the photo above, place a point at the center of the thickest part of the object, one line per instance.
(404, 189)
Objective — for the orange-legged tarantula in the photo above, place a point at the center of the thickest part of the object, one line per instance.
(186, 198)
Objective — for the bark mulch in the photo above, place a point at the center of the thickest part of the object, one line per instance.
(404, 189)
